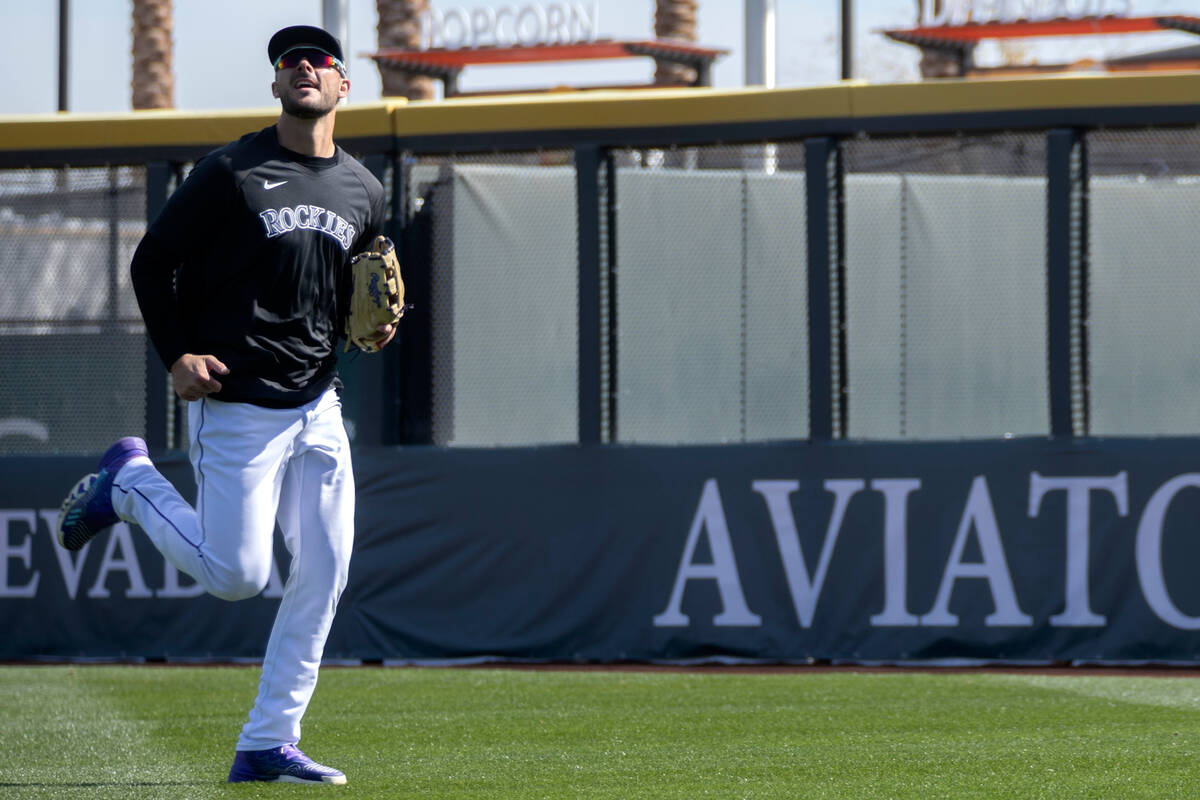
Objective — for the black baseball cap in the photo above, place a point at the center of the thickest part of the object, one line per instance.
(303, 36)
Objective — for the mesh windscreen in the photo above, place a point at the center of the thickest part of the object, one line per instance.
(945, 253)
(711, 286)
(73, 342)
(1143, 362)
(505, 296)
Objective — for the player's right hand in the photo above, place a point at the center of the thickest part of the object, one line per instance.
(192, 376)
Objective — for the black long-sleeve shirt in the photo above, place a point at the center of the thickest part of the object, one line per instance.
(247, 262)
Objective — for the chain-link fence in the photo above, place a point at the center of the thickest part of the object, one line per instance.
(946, 323)
(703, 286)
(74, 374)
(1144, 363)
(502, 256)
(711, 286)
(942, 318)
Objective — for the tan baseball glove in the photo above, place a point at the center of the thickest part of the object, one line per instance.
(376, 296)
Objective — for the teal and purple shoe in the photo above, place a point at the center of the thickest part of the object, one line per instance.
(281, 765)
(88, 509)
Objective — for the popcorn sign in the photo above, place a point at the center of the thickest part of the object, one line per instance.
(506, 26)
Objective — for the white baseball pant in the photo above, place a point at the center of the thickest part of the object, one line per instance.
(254, 466)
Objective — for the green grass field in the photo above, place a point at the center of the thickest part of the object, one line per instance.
(168, 732)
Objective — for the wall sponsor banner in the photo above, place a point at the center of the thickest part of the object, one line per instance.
(115, 598)
(1009, 550)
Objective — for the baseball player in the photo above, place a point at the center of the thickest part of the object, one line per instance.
(242, 284)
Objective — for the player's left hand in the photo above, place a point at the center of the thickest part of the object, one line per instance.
(386, 334)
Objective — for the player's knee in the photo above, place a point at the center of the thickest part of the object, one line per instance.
(241, 585)
(241, 591)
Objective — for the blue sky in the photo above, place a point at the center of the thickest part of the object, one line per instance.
(220, 59)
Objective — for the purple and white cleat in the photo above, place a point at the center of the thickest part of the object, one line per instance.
(88, 509)
(281, 765)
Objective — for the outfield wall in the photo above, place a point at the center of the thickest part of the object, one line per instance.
(1020, 550)
(830, 373)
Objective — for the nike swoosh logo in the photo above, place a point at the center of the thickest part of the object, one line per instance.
(268, 185)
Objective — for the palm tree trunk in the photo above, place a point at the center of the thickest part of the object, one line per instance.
(937, 63)
(399, 28)
(153, 81)
(675, 19)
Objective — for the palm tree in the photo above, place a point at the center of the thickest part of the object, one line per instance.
(399, 28)
(938, 63)
(675, 19)
(153, 81)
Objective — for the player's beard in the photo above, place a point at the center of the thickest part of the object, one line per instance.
(310, 109)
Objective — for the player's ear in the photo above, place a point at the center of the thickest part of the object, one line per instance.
(274, 89)
(344, 88)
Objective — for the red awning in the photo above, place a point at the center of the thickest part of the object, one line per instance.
(959, 35)
(436, 60)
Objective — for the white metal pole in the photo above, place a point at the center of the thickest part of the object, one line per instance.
(760, 43)
(760, 71)
(336, 19)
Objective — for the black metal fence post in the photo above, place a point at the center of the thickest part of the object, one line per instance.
(1066, 214)
(412, 218)
(392, 381)
(159, 176)
(822, 187)
(587, 195)
(370, 398)
(610, 310)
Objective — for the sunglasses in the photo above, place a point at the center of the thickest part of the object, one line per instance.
(317, 59)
